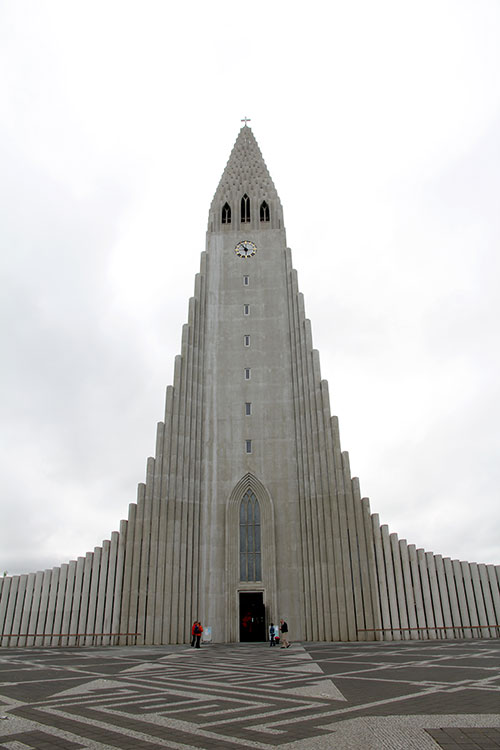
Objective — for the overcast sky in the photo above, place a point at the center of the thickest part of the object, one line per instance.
(380, 125)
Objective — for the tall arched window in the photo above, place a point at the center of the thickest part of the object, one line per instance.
(245, 209)
(226, 213)
(264, 211)
(250, 552)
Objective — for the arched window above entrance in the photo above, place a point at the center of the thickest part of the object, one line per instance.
(250, 546)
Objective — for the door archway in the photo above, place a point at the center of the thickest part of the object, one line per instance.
(265, 587)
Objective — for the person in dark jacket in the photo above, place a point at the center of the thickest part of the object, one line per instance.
(284, 635)
(197, 631)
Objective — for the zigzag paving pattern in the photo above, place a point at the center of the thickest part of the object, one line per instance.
(399, 696)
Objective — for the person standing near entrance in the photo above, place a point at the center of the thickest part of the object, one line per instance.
(284, 635)
(197, 630)
(193, 635)
(273, 632)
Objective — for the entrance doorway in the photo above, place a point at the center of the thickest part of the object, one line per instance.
(252, 616)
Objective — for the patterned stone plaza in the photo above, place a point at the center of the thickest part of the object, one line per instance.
(409, 695)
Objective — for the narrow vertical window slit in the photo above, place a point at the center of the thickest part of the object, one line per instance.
(264, 211)
(245, 209)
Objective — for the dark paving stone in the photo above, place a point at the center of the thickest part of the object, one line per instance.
(463, 702)
(365, 691)
(454, 738)
(37, 740)
(431, 673)
(105, 669)
(37, 691)
(30, 674)
(358, 662)
(485, 662)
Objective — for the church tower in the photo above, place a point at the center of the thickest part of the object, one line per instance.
(257, 516)
(268, 434)
(249, 512)
(265, 423)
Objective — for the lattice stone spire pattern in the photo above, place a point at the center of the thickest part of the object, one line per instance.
(245, 173)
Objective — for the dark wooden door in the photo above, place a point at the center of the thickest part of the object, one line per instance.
(252, 616)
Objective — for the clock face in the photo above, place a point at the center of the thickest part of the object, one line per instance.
(245, 249)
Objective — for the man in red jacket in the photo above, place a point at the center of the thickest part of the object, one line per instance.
(196, 632)
(193, 636)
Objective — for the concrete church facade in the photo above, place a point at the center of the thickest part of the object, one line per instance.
(249, 511)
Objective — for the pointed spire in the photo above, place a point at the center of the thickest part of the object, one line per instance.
(245, 174)
(246, 171)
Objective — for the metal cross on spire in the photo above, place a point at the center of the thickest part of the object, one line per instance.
(245, 120)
